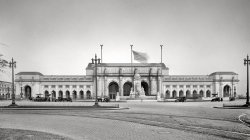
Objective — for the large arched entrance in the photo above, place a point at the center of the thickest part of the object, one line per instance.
(144, 85)
(188, 94)
(67, 94)
(88, 94)
(226, 91)
(81, 94)
(195, 95)
(174, 94)
(127, 88)
(181, 94)
(60, 94)
(167, 94)
(208, 93)
(74, 94)
(201, 93)
(46, 94)
(113, 89)
(53, 95)
(27, 92)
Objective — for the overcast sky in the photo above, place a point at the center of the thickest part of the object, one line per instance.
(61, 36)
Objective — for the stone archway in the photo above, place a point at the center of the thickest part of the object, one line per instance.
(226, 91)
(27, 92)
(167, 94)
(127, 88)
(144, 85)
(174, 94)
(208, 93)
(67, 94)
(46, 94)
(88, 94)
(81, 94)
(74, 94)
(181, 94)
(60, 94)
(188, 93)
(53, 93)
(201, 93)
(195, 95)
(113, 89)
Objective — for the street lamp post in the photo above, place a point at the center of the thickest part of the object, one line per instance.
(12, 66)
(246, 62)
(96, 61)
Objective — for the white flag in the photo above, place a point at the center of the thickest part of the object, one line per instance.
(140, 57)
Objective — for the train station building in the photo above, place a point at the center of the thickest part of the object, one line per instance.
(124, 81)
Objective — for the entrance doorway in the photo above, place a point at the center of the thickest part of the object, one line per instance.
(113, 89)
(145, 87)
(127, 88)
(27, 91)
(226, 91)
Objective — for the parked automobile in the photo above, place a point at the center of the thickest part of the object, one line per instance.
(99, 99)
(103, 99)
(216, 99)
(180, 99)
(60, 99)
(41, 99)
(231, 98)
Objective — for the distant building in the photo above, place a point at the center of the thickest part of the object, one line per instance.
(5, 90)
(126, 81)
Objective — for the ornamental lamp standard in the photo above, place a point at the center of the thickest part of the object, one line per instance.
(246, 62)
(96, 61)
(12, 65)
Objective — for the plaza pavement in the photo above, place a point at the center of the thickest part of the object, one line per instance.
(144, 120)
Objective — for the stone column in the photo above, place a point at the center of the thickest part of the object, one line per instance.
(120, 85)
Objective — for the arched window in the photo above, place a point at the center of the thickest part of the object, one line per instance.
(195, 95)
(81, 94)
(188, 94)
(167, 94)
(181, 94)
(201, 93)
(174, 94)
(208, 93)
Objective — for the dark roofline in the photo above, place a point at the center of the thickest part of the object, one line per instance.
(30, 73)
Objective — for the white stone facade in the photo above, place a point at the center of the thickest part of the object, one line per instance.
(115, 79)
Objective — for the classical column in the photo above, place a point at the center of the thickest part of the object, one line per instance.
(120, 85)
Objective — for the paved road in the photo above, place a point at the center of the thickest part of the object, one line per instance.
(144, 120)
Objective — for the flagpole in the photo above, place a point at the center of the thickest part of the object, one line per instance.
(161, 53)
(101, 53)
(131, 57)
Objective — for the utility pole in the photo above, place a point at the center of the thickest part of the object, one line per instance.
(246, 62)
(96, 61)
(12, 66)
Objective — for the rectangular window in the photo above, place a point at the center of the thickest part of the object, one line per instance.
(67, 86)
(181, 86)
(74, 86)
(60, 86)
(174, 86)
(81, 86)
(88, 86)
(187, 86)
(53, 86)
(208, 86)
(167, 86)
(194, 86)
(46, 86)
(201, 86)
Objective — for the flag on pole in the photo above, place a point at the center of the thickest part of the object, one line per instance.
(140, 57)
